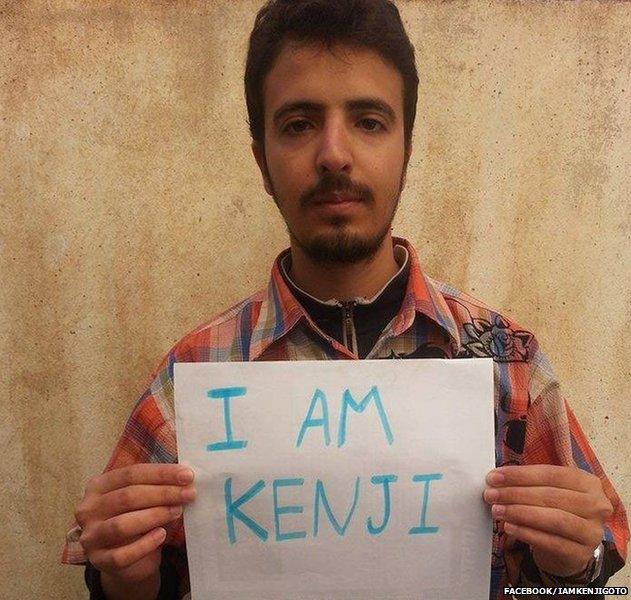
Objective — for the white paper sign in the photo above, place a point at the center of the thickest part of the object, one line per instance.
(337, 480)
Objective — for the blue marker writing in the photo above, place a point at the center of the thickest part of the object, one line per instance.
(320, 497)
(318, 398)
(225, 394)
(233, 510)
(349, 401)
(286, 510)
(422, 528)
(385, 480)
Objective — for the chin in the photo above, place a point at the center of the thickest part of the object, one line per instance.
(342, 246)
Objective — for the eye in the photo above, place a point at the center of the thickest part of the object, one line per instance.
(295, 127)
(373, 125)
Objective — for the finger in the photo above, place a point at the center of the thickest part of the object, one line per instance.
(138, 497)
(123, 529)
(577, 503)
(569, 478)
(124, 556)
(147, 474)
(567, 550)
(129, 499)
(550, 520)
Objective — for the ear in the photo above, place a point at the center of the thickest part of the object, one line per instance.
(259, 155)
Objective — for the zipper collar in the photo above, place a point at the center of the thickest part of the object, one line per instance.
(401, 256)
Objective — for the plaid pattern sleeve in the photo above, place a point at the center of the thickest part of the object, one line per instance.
(554, 436)
(148, 437)
(533, 425)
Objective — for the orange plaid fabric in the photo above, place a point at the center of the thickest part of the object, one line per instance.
(533, 422)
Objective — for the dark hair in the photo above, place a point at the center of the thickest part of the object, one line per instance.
(374, 24)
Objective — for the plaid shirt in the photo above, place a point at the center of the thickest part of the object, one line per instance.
(533, 422)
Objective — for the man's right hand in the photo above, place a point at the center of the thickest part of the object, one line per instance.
(123, 513)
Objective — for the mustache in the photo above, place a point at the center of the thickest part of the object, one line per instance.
(336, 182)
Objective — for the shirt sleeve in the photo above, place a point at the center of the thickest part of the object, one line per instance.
(554, 436)
(148, 437)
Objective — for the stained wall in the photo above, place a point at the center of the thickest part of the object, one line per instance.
(131, 210)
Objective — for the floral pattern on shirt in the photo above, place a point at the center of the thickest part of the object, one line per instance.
(496, 339)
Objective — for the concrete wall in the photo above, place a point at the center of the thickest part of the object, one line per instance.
(131, 210)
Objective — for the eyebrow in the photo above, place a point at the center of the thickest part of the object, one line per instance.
(350, 105)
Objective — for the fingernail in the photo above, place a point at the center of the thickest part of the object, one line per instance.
(509, 528)
(185, 476)
(176, 511)
(495, 478)
(188, 494)
(491, 495)
(498, 511)
(160, 535)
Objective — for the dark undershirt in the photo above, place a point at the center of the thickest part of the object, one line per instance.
(369, 319)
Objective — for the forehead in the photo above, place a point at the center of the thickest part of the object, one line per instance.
(312, 72)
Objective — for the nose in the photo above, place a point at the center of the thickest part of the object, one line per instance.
(334, 150)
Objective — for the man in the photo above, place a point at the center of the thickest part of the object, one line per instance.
(331, 89)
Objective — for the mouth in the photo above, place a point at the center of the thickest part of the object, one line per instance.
(337, 198)
(338, 204)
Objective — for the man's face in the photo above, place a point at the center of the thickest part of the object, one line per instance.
(334, 149)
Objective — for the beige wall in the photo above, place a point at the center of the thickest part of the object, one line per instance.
(131, 210)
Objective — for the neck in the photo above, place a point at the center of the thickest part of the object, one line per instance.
(344, 281)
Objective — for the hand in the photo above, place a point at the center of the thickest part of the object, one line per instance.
(559, 511)
(123, 514)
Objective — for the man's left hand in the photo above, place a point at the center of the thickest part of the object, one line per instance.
(559, 511)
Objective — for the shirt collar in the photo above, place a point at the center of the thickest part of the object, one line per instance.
(280, 310)
(399, 278)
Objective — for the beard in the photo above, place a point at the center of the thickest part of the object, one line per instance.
(340, 245)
